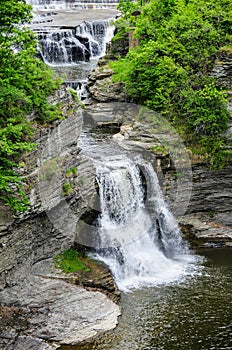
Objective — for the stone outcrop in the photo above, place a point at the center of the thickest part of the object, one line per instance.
(47, 312)
(222, 69)
(102, 88)
(209, 214)
(47, 228)
(201, 231)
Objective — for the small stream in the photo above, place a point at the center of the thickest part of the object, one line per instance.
(192, 315)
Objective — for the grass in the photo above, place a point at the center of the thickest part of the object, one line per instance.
(69, 262)
(67, 189)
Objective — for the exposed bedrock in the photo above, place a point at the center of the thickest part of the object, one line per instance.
(40, 309)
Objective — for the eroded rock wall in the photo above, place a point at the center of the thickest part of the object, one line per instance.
(41, 308)
(48, 226)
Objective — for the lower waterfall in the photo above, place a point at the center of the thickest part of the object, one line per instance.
(140, 239)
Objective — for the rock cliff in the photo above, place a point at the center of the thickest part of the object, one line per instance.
(42, 310)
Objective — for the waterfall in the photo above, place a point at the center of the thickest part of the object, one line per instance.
(79, 87)
(70, 46)
(73, 37)
(71, 4)
(140, 239)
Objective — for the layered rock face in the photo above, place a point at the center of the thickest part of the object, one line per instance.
(207, 221)
(209, 215)
(61, 185)
(40, 231)
(101, 87)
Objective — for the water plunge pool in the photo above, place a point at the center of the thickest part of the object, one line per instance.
(193, 315)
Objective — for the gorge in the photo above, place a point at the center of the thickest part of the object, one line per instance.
(133, 229)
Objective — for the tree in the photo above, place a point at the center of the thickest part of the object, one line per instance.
(25, 83)
(169, 70)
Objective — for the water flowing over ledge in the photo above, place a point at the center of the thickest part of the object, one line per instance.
(140, 238)
(72, 39)
(71, 4)
(37, 238)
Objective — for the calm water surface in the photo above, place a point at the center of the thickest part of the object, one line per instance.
(193, 315)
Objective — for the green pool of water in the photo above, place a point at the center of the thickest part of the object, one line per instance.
(193, 315)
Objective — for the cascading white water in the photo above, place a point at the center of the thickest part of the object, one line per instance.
(72, 40)
(70, 46)
(141, 246)
(70, 4)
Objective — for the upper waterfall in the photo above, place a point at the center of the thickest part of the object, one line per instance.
(71, 4)
(70, 46)
(73, 37)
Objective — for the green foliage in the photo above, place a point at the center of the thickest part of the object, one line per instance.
(71, 172)
(25, 83)
(159, 148)
(67, 188)
(69, 262)
(169, 70)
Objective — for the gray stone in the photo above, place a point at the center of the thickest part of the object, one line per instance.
(204, 233)
(6, 218)
(60, 313)
(101, 87)
(31, 343)
(223, 68)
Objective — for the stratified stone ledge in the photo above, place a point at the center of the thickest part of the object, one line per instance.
(55, 313)
(205, 233)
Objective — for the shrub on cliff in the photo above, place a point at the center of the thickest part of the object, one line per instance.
(169, 70)
(25, 83)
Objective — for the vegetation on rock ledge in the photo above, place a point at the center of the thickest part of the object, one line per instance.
(69, 262)
(25, 83)
(169, 70)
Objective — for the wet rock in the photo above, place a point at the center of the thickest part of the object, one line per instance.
(98, 278)
(110, 113)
